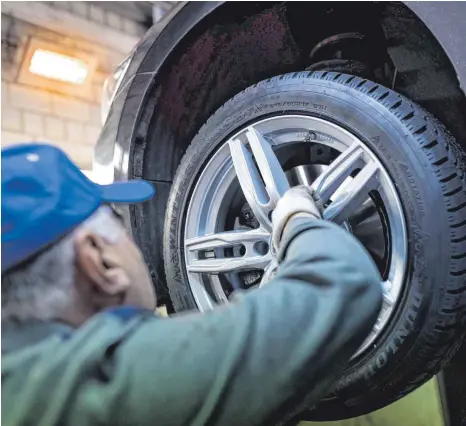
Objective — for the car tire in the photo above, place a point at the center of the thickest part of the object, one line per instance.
(428, 170)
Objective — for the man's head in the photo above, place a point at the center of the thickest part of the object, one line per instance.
(65, 254)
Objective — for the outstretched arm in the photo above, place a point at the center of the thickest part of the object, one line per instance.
(251, 362)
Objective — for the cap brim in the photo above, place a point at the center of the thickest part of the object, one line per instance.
(134, 191)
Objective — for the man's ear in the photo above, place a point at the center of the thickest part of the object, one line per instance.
(98, 264)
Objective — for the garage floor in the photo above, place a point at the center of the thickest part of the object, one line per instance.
(421, 408)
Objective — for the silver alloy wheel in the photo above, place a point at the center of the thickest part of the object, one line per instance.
(247, 168)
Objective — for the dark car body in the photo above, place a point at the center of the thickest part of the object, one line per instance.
(129, 125)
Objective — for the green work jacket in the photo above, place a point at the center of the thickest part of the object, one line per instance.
(259, 360)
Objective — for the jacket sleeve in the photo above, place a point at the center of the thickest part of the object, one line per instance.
(257, 360)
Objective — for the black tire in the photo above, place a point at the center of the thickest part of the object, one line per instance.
(428, 169)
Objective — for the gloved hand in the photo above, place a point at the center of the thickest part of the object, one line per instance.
(299, 200)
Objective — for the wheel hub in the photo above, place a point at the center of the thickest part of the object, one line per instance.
(227, 229)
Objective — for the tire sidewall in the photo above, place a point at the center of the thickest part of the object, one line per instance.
(407, 164)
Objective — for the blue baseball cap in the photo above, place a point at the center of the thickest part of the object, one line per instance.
(45, 196)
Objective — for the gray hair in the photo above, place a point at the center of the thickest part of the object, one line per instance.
(41, 287)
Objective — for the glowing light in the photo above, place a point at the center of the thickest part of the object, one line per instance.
(58, 67)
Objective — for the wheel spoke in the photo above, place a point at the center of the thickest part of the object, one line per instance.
(226, 239)
(353, 195)
(262, 185)
(387, 300)
(342, 169)
(269, 272)
(302, 175)
(274, 177)
(229, 264)
(332, 178)
(250, 182)
(217, 265)
(387, 297)
(377, 326)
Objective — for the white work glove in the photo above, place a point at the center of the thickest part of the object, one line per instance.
(299, 200)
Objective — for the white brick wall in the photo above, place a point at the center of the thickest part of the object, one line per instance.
(96, 14)
(5, 94)
(131, 27)
(9, 138)
(29, 114)
(34, 125)
(29, 98)
(80, 8)
(75, 132)
(12, 119)
(33, 114)
(91, 133)
(113, 20)
(75, 109)
(54, 128)
(95, 115)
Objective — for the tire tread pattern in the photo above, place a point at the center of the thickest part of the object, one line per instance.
(447, 162)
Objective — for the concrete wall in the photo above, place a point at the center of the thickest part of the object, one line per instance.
(33, 111)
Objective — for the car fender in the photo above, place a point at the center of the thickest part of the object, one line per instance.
(113, 157)
(446, 20)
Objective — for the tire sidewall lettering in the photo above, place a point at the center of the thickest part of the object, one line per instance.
(405, 163)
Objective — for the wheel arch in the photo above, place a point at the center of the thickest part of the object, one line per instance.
(192, 65)
(159, 53)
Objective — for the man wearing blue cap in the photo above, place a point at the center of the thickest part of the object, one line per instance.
(80, 342)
